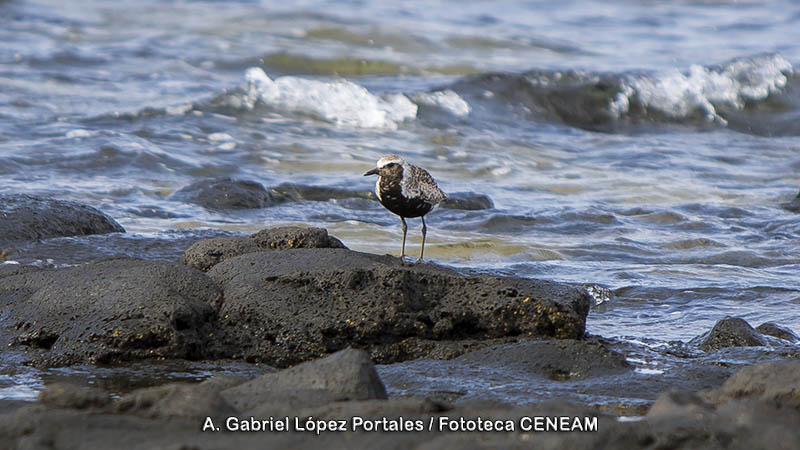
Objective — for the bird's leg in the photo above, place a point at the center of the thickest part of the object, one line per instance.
(403, 248)
(424, 231)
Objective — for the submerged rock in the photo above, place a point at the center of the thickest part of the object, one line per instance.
(108, 311)
(227, 193)
(28, 217)
(470, 201)
(284, 307)
(775, 330)
(793, 206)
(560, 360)
(730, 332)
(205, 254)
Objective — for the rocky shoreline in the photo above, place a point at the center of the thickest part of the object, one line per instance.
(297, 300)
(340, 402)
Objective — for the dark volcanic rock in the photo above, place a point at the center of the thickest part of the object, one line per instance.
(758, 407)
(205, 254)
(64, 395)
(109, 311)
(565, 359)
(284, 307)
(227, 193)
(775, 330)
(346, 375)
(793, 206)
(283, 238)
(469, 201)
(27, 217)
(777, 383)
(730, 332)
(175, 400)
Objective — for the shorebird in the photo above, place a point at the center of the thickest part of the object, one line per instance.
(406, 190)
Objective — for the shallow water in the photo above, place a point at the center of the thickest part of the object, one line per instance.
(645, 147)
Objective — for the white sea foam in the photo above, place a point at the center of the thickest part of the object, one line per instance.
(219, 137)
(679, 94)
(448, 100)
(79, 133)
(341, 102)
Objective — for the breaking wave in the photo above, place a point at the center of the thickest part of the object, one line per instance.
(753, 95)
(340, 102)
(679, 94)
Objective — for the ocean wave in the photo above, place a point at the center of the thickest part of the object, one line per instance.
(447, 100)
(678, 94)
(341, 102)
(753, 94)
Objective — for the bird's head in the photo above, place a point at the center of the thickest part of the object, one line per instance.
(388, 166)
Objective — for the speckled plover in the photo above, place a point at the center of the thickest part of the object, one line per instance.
(406, 190)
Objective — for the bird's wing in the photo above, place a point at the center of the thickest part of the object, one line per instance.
(426, 187)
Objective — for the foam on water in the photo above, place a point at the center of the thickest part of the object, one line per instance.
(447, 100)
(679, 94)
(341, 102)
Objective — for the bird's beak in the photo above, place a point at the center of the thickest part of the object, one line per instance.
(372, 172)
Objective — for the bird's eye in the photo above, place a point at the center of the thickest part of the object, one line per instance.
(391, 164)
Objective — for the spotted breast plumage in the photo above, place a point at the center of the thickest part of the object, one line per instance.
(406, 190)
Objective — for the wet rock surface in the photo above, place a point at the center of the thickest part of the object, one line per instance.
(793, 205)
(283, 238)
(280, 307)
(283, 307)
(28, 217)
(290, 297)
(757, 406)
(470, 201)
(346, 375)
(775, 330)
(108, 312)
(730, 332)
(227, 193)
(566, 359)
(205, 254)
